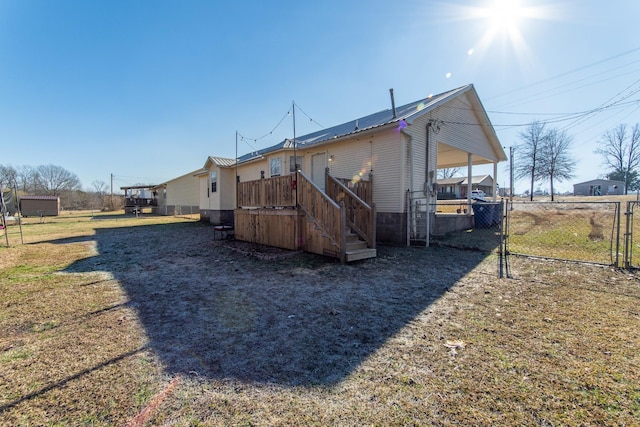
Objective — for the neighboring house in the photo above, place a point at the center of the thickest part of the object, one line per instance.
(397, 151)
(40, 205)
(140, 198)
(598, 187)
(178, 196)
(217, 190)
(457, 188)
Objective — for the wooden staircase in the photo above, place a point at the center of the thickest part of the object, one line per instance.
(357, 249)
(344, 219)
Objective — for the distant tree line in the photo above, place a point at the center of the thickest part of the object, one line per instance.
(52, 180)
(544, 155)
(620, 149)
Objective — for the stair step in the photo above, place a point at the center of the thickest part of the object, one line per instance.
(359, 254)
(351, 237)
(358, 244)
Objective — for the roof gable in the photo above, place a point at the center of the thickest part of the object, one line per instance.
(219, 161)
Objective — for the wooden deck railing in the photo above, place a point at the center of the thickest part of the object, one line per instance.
(267, 192)
(362, 188)
(360, 216)
(333, 211)
(323, 211)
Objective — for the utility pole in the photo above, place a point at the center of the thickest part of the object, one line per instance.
(295, 153)
(111, 204)
(511, 173)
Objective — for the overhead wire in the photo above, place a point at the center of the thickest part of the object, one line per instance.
(246, 139)
(566, 73)
(309, 117)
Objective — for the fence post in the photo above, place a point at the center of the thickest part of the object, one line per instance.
(374, 219)
(628, 235)
(408, 218)
(618, 207)
(343, 237)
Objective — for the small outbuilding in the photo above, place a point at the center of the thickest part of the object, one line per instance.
(40, 205)
(599, 187)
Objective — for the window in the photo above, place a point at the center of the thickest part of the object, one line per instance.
(292, 163)
(276, 166)
(214, 182)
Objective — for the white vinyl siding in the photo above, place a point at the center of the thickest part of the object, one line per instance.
(380, 154)
(183, 191)
(462, 130)
(227, 189)
(204, 196)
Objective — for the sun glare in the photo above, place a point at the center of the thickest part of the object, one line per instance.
(503, 15)
(505, 21)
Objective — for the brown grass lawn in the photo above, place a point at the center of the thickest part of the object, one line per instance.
(116, 320)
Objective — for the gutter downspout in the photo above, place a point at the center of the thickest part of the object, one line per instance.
(427, 185)
(410, 189)
(469, 183)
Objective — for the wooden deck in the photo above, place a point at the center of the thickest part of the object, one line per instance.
(292, 212)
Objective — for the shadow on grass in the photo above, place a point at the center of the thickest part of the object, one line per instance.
(300, 320)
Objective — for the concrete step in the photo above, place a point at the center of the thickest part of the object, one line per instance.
(360, 254)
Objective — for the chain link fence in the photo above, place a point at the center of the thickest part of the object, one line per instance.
(632, 235)
(571, 231)
(456, 223)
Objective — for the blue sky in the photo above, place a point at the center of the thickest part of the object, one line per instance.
(146, 90)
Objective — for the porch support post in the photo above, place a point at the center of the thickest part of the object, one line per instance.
(469, 183)
(495, 181)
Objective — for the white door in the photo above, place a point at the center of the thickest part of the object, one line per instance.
(318, 165)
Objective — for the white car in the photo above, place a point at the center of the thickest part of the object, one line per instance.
(478, 194)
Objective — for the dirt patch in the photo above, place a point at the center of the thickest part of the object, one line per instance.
(257, 251)
(596, 232)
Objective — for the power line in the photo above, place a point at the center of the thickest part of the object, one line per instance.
(566, 73)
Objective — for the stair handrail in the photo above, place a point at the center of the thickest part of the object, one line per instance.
(360, 216)
(324, 211)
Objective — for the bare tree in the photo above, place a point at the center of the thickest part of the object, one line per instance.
(26, 179)
(8, 177)
(446, 173)
(621, 152)
(526, 163)
(53, 180)
(101, 189)
(555, 162)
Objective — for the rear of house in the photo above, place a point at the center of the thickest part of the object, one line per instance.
(396, 151)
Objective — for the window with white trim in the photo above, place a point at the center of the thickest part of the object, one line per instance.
(276, 166)
(214, 181)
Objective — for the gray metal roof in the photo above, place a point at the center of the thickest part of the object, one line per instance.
(405, 112)
(222, 161)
